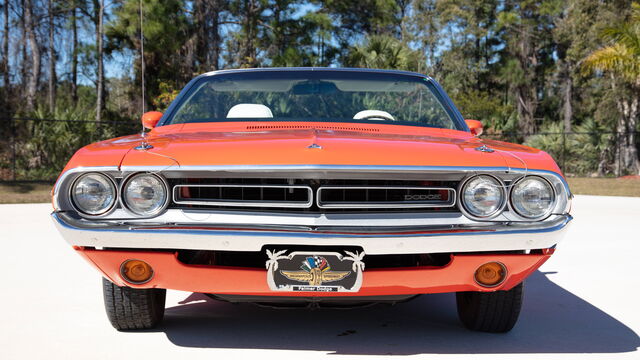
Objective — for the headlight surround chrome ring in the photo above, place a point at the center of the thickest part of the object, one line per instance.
(519, 210)
(469, 211)
(99, 179)
(147, 186)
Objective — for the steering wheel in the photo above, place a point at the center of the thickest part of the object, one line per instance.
(377, 117)
(373, 115)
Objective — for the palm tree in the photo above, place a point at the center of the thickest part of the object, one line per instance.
(621, 59)
(384, 52)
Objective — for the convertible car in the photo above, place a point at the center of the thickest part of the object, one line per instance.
(312, 187)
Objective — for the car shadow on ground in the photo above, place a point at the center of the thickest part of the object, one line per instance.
(553, 320)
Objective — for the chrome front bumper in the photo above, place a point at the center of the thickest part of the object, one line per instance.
(503, 236)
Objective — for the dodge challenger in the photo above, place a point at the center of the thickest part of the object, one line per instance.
(312, 187)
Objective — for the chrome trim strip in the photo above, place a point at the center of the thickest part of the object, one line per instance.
(508, 236)
(382, 205)
(281, 204)
(213, 217)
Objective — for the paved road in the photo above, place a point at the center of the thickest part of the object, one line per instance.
(583, 303)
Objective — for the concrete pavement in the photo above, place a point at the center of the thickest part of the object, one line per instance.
(583, 303)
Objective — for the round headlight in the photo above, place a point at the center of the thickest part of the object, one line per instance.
(145, 194)
(532, 197)
(93, 194)
(483, 196)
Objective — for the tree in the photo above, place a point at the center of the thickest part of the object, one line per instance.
(74, 52)
(292, 40)
(469, 46)
(98, 9)
(517, 65)
(52, 59)
(424, 28)
(621, 60)
(472, 40)
(384, 52)
(528, 53)
(96, 14)
(281, 31)
(249, 17)
(5, 56)
(355, 20)
(374, 17)
(574, 31)
(207, 18)
(166, 48)
(34, 48)
(321, 31)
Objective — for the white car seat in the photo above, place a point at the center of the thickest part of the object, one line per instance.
(249, 111)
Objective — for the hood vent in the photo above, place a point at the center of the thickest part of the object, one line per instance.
(328, 127)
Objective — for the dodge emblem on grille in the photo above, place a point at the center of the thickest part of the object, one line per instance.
(422, 197)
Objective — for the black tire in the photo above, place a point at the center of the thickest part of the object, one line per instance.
(133, 309)
(495, 312)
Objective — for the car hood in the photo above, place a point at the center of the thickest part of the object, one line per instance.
(335, 145)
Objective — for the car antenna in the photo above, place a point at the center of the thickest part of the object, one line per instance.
(144, 145)
(142, 54)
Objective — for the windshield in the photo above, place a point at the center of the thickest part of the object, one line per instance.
(332, 96)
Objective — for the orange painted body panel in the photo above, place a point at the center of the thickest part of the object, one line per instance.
(169, 273)
(285, 143)
(104, 153)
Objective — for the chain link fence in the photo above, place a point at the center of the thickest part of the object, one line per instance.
(38, 149)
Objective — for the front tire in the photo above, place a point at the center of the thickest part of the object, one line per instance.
(495, 312)
(133, 309)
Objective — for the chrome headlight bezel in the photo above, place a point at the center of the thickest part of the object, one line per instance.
(84, 212)
(122, 197)
(547, 213)
(463, 207)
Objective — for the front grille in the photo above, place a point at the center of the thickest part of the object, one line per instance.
(389, 197)
(282, 196)
(313, 195)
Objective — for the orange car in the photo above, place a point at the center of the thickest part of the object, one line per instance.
(312, 186)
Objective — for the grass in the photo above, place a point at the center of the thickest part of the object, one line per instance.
(38, 192)
(624, 186)
(25, 192)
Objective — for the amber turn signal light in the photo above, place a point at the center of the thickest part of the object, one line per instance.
(491, 274)
(136, 271)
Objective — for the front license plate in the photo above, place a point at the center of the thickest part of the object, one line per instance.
(314, 271)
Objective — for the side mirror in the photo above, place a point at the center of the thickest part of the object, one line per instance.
(475, 127)
(150, 119)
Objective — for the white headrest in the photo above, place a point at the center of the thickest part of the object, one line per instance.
(249, 111)
(373, 115)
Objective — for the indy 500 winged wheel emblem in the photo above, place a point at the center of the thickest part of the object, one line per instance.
(321, 271)
(315, 270)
